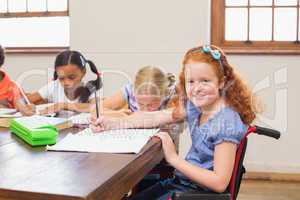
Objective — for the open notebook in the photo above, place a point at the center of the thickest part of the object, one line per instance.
(7, 111)
(114, 141)
(7, 114)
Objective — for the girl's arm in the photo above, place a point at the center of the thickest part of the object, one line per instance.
(36, 98)
(77, 107)
(135, 120)
(218, 179)
(114, 106)
(148, 119)
(108, 105)
(114, 102)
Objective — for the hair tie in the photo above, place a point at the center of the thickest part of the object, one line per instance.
(83, 61)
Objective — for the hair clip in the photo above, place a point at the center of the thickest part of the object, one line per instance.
(83, 62)
(216, 54)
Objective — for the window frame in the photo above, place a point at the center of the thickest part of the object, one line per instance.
(247, 47)
(34, 50)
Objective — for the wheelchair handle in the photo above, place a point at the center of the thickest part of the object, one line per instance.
(267, 132)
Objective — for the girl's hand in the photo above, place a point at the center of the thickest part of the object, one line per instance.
(27, 110)
(103, 123)
(127, 111)
(168, 147)
(97, 124)
(53, 109)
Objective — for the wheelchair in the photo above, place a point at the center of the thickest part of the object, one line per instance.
(232, 190)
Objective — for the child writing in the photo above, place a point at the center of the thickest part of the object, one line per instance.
(152, 90)
(218, 107)
(10, 93)
(67, 91)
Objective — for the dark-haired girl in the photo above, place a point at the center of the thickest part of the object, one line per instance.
(67, 91)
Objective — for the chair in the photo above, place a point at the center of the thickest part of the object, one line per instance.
(237, 174)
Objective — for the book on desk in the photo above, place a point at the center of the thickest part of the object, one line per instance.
(7, 115)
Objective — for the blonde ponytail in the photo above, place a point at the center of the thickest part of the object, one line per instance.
(151, 80)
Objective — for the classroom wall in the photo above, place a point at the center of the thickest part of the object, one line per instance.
(127, 35)
(122, 36)
(31, 71)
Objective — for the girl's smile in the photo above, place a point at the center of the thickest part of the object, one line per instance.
(202, 85)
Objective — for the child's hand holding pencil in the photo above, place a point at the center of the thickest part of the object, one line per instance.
(23, 104)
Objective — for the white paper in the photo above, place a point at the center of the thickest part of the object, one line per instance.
(6, 111)
(114, 141)
(82, 118)
(37, 121)
(15, 115)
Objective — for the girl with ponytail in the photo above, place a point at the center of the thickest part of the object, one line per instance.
(152, 90)
(67, 90)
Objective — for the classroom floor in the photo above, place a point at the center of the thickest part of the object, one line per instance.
(269, 190)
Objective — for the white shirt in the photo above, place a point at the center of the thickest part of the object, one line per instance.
(53, 92)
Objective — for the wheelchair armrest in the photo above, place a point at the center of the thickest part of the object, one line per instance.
(196, 195)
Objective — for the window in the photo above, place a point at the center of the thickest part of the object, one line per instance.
(256, 26)
(34, 25)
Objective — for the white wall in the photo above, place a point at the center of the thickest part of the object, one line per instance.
(30, 70)
(123, 36)
(126, 35)
(266, 154)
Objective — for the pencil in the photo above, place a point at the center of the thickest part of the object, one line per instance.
(98, 86)
(97, 106)
(23, 94)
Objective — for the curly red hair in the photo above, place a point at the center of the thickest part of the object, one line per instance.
(237, 95)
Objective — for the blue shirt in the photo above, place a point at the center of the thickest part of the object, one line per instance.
(128, 95)
(226, 125)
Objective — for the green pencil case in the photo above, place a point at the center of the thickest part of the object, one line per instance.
(43, 135)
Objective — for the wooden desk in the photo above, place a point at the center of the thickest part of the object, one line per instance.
(28, 173)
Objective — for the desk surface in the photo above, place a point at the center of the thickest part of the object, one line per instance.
(28, 173)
